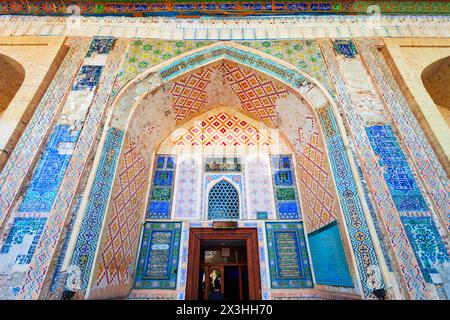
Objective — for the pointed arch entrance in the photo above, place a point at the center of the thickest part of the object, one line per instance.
(144, 113)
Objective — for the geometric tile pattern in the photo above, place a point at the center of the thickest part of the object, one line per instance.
(258, 95)
(408, 266)
(360, 238)
(375, 220)
(86, 244)
(161, 193)
(223, 129)
(328, 257)
(223, 201)
(212, 179)
(285, 187)
(288, 256)
(222, 51)
(58, 215)
(398, 175)
(20, 228)
(46, 179)
(121, 234)
(426, 242)
(319, 203)
(157, 266)
(303, 54)
(143, 54)
(259, 187)
(188, 188)
(422, 154)
(189, 93)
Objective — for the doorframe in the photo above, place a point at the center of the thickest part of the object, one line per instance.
(250, 235)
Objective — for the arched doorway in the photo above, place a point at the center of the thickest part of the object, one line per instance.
(306, 118)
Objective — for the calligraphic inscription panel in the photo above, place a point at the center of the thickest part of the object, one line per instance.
(158, 258)
(288, 257)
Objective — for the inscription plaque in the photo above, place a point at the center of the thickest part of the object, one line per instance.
(288, 257)
(158, 257)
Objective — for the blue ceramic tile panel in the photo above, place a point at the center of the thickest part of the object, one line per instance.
(161, 192)
(397, 173)
(157, 265)
(285, 189)
(328, 257)
(426, 242)
(288, 257)
(86, 245)
(49, 172)
(345, 47)
(88, 78)
(223, 201)
(20, 228)
(100, 46)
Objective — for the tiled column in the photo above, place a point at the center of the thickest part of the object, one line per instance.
(81, 116)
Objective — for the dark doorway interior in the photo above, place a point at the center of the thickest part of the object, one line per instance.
(223, 265)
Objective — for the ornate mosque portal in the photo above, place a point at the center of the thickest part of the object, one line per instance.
(236, 146)
(219, 141)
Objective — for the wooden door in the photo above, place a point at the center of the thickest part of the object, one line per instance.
(250, 236)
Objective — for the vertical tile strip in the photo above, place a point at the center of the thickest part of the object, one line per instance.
(409, 268)
(21, 159)
(363, 248)
(56, 220)
(423, 156)
(86, 244)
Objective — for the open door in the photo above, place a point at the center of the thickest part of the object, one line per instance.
(223, 265)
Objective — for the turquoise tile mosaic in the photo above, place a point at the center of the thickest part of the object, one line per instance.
(328, 257)
(85, 247)
(427, 244)
(22, 227)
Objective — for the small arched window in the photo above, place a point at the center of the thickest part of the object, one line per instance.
(223, 201)
(12, 75)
